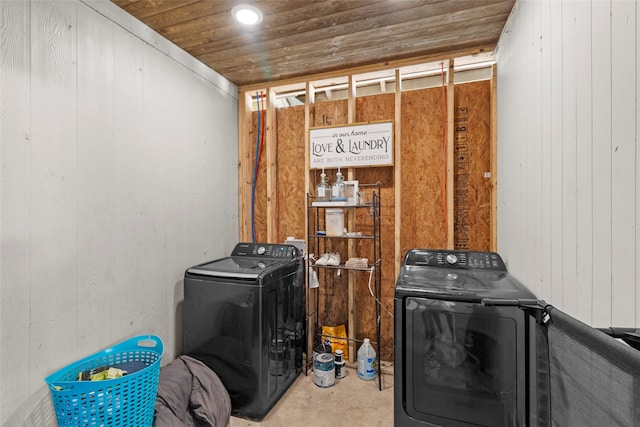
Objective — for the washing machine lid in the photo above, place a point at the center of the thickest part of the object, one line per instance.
(236, 267)
(249, 261)
(469, 274)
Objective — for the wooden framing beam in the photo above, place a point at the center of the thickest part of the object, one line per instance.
(351, 220)
(310, 99)
(397, 173)
(244, 166)
(271, 139)
(450, 154)
(311, 294)
(370, 68)
(494, 161)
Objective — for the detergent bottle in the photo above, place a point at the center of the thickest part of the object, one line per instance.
(366, 361)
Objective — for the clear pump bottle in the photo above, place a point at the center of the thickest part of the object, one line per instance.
(338, 190)
(323, 190)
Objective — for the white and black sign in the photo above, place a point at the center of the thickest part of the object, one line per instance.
(356, 145)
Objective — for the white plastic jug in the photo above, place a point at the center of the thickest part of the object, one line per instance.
(334, 222)
(366, 361)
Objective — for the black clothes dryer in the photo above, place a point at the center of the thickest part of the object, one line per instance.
(459, 362)
(243, 318)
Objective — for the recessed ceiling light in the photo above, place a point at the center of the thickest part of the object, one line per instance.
(246, 14)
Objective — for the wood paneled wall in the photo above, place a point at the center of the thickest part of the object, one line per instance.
(119, 171)
(424, 171)
(568, 155)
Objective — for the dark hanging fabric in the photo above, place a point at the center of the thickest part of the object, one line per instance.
(541, 413)
(594, 379)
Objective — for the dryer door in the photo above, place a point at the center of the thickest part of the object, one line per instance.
(464, 364)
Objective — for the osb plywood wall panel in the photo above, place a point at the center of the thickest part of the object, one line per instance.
(423, 169)
(423, 129)
(330, 113)
(333, 292)
(291, 205)
(472, 189)
(374, 109)
(333, 295)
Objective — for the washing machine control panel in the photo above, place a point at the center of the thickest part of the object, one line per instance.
(470, 260)
(266, 250)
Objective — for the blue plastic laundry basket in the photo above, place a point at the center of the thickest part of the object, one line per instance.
(126, 401)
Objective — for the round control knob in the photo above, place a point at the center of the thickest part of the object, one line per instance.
(452, 259)
(261, 250)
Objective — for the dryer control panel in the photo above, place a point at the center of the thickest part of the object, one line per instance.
(266, 250)
(469, 260)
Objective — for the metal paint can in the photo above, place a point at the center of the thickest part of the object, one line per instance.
(340, 364)
(324, 370)
(340, 370)
(324, 347)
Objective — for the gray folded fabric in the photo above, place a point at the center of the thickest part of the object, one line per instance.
(191, 394)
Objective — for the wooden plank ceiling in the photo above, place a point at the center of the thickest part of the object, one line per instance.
(300, 38)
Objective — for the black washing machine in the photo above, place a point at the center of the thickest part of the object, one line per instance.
(243, 318)
(460, 361)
